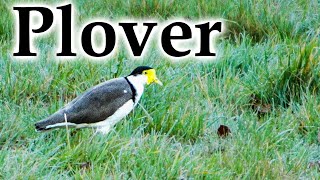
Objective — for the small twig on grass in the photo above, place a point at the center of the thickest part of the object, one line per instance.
(67, 129)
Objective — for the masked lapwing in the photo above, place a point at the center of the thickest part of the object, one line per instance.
(103, 105)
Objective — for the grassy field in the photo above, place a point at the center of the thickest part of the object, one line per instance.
(264, 86)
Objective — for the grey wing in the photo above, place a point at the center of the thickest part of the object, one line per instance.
(99, 103)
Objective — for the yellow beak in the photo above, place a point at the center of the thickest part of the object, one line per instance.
(152, 78)
(156, 80)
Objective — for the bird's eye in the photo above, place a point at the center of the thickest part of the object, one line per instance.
(144, 72)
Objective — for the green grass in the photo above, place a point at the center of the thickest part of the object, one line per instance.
(269, 57)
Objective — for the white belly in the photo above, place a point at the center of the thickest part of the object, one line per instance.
(106, 125)
(123, 111)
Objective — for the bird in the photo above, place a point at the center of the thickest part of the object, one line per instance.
(103, 105)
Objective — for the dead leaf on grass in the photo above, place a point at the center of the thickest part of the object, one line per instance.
(85, 165)
(223, 131)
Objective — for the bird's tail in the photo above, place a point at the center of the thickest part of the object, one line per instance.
(54, 121)
(41, 126)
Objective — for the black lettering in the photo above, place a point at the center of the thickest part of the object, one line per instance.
(132, 38)
(166, 39)
(24, 27)
(205, 38)
(66, 31)
(86, 39)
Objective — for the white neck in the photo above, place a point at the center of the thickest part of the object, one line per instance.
(138, 83)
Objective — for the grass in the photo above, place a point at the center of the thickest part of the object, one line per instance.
(264, 85)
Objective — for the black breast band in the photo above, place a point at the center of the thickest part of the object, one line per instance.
(133, 90)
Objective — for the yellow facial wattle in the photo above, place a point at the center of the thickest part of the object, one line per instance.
(151, 76)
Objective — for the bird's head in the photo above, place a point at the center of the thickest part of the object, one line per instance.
(147, 73)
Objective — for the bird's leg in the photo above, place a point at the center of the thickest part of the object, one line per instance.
(104, 129)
